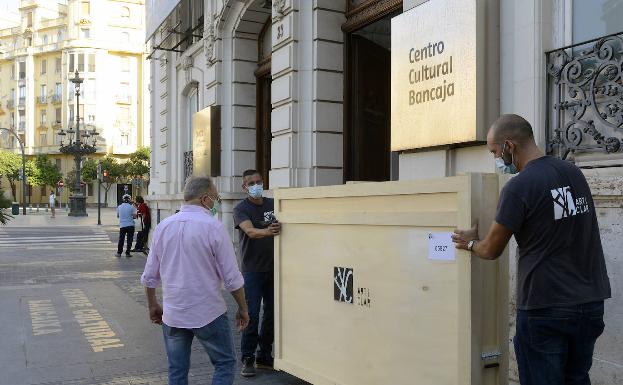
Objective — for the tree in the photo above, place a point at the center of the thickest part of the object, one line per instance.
(42, 172)
(117, 173)
(138, 165)
(88, 173)
(10, 164)
(89, 170)
(4, 204)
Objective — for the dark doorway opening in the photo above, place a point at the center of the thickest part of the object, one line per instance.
(264, 107)
(122, 189)
(263, 134)
(367, 151)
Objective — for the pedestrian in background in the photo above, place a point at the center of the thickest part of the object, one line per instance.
(145, 218)
(561, 275)
(192, 256)
(255, 219)
(52, 200)
(126, 214)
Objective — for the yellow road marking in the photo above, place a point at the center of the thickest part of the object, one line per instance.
(94, 328)
(43, 317)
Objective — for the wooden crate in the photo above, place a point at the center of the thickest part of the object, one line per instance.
(412, 320)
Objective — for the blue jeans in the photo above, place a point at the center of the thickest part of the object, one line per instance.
(554, 346)
(258, 287)
(216, 338)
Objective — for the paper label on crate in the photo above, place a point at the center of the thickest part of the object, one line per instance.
(441, 247)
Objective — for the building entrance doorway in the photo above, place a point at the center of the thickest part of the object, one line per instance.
(122, 189)
(367, 153)
(263, 79)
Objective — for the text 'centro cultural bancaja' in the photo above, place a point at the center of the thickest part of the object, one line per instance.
(429, 72)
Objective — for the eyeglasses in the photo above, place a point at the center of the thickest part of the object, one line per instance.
(217, 199)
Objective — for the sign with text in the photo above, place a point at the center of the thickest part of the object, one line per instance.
(434, 75)
(206, 125)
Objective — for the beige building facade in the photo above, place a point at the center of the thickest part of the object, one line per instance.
(101, 39)
(301, 90)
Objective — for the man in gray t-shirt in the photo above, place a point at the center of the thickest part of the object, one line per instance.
(561, 279)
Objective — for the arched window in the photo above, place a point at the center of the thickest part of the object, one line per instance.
(125, 12)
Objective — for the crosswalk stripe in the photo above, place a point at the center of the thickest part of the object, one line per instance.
(65, 246)
(7, 243)
(64, 238)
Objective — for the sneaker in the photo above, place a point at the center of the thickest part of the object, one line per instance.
(128, 255)
(118, 255)
(248, 367)
(265, 363)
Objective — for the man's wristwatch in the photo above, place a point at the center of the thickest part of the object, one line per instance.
(471, 244)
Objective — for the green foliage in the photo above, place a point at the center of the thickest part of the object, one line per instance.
(4, 204)
(42, 172)
(139, 162)
(89, 170)
(10, 164)
(117, 173)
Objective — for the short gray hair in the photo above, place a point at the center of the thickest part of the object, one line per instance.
(197, 186)
(512, 127)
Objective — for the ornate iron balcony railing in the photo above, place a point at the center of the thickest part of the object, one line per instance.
(188, 165)
(585, 98)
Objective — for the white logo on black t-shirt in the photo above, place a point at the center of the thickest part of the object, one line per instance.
(564, 205)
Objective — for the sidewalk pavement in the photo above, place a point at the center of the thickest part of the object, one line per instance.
(43, 218)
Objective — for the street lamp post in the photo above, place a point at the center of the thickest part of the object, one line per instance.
(21, 146)
(78, 148)
(99, 193)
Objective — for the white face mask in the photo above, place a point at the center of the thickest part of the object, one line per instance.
(504, 168)
(256, 191)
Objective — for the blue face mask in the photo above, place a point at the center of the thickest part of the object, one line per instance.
(501, 165)
(256, 191)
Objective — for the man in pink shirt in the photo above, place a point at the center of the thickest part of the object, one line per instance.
(193, 257)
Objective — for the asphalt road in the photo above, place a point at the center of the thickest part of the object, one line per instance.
(72, 313)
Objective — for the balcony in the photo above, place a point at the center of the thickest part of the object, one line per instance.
(47, 23)
(124, 99)
(57, 98)
(42, 99)
(27, 4)
(10, 104)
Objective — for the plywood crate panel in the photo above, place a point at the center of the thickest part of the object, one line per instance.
(412, 320)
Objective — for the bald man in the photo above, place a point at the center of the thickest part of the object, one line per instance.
(561, 276)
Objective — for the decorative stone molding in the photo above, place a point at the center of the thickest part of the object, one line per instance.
(369, 12)
(187, 65)
(279, 9)
(209, 43)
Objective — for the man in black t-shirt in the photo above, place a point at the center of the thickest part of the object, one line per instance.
(255, 219)
(561, 276)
